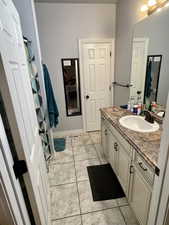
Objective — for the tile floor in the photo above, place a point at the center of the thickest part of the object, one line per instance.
(71, 197)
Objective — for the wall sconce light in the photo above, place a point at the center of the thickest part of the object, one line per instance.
(154, 6)
(152, 2)
(144, 8)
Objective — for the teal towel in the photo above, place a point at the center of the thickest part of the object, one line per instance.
(59, 144)
(148, 81)
(51, 103)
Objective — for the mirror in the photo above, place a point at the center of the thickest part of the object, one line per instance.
(152, 78)
(71, 80)
(150, 58)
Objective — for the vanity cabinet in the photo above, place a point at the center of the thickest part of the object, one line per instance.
(104, 137)
(140, 195)
(112, 153)
(116, 154)
(123, 167)
(142, 179)
(133, 172)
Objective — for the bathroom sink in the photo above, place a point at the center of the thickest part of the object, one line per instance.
(138, 123)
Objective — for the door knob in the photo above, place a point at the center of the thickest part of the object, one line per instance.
(87, 97)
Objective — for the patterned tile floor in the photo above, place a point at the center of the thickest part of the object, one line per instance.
(71, 197)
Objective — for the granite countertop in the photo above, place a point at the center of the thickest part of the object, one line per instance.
(146, 144)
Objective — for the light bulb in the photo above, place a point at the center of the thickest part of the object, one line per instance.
(144, 8)
(152, 2)
(158, 10)
(167, 4)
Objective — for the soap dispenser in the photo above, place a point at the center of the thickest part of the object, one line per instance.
(139, 103)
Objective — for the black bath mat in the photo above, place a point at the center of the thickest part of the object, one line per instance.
(104, 183)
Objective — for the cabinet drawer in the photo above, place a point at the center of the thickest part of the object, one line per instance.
(144, 168)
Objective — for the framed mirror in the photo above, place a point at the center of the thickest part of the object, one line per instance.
(71, 80)
(152, 78)
(150, 59)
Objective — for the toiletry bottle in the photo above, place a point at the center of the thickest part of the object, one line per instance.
(128, 105)
(139, 102)
(139, 108)
(135, 109)
(153, 106)
(131, 103)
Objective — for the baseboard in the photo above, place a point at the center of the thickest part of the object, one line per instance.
(67, 133)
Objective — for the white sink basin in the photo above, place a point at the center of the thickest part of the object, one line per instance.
(138, 123)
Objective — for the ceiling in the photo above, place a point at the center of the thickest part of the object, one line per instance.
(78, 1)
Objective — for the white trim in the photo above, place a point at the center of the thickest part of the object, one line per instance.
(88, 41)
(67, 133)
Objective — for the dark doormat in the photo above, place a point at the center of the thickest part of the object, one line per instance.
(104, 183)
(59, 144)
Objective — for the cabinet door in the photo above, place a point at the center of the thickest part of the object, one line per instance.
(104, 137)
(111, 150)
(123, 167)
(140, 197)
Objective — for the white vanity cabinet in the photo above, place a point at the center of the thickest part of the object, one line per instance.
(116, 154)
(140, 197)
(133, 172)
(123, 167)
(141, 189)
(112, 150)
(104, 137)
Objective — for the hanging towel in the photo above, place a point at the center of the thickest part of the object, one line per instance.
(51, 103)
(148, 82)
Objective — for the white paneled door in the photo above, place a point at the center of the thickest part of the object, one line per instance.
(138, 69)
(12, 205)
(16, 92)
(96, 82)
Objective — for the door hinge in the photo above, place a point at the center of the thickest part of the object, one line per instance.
(157, 171)
(110, 54)
(131, 169)
(20, 168)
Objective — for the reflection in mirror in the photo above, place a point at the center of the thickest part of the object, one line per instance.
(152, 78)
(150, 38)
(70, 69)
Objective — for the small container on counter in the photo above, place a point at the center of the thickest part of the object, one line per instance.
(153, 106)
(135, 109)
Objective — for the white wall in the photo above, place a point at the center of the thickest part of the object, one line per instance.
(128, 14)
(60, 27)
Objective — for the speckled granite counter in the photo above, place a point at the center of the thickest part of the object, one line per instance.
(146, 144)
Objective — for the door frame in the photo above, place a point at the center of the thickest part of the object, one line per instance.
(159, 201)
(82, 42)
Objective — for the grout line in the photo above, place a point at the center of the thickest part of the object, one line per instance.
(100, 210)
(65, 217)
(95, 211)
(77, 188)
(123, 216)
(56, 185)
(57, 163)
(97, 154)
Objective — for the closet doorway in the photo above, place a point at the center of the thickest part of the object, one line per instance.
(97, 75)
